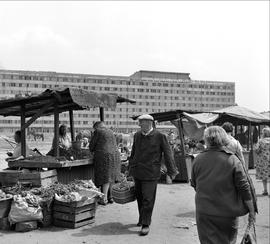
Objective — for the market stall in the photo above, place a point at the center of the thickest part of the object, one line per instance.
(38, 191)
(192, 124)
(54, 102)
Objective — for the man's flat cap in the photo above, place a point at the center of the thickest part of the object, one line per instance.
(145, 117)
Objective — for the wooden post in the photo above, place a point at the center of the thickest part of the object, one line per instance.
(71, 121)
(101, 113)
(183, 151)
(56, 131)
(23, 137)
(180, 125)
(251, 153)
(251, 137)
(235, 131)
(248, 139)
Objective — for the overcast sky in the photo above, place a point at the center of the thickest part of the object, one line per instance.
(216, 41)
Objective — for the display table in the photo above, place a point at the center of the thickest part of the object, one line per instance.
(67, 171)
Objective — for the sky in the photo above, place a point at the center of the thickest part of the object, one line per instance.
(211, 40)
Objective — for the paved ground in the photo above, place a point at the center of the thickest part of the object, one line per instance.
(173, 222)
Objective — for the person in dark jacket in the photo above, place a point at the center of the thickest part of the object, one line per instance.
(144, 165)
(106, 159)
(222, 190)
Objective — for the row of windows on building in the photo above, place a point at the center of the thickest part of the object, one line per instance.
(115, 89)
(128, 82)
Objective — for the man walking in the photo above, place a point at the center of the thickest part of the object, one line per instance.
(145, 162)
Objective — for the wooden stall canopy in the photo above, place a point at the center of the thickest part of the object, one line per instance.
(238, 116)
(54, 102)
(67, 99)
(169, 115)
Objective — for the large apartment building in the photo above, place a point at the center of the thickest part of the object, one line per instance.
(154, 91)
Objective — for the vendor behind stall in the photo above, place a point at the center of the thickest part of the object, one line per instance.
(64, 138)
(17, 150)
(64, 143)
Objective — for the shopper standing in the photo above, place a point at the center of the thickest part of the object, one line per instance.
(106, 159)
(263, 159)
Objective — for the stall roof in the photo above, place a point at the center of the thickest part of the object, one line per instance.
(240, 115)
(67, 99)
(168, 115)
(234, 114)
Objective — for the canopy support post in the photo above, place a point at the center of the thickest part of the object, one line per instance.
(248, 139)
(23, 137)
(56, 131)
(71, 121)
(101, 113)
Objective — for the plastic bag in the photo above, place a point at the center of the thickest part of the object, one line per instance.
(20, 212)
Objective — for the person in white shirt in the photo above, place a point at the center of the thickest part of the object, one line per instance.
(18, 151)
(64, 138)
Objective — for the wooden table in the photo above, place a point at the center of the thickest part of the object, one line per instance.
(67, 171)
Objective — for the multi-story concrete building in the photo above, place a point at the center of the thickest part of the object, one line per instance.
(153, 91)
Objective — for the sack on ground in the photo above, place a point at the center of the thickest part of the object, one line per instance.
(20, 211)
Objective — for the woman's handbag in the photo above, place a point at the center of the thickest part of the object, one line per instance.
(250, 235)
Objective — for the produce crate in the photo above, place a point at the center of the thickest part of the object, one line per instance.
(26, 226)
(4, 224)
(47, 212)
(10, 177)
(39, 178)
(5, 205)
(74, 214)
(123, 195)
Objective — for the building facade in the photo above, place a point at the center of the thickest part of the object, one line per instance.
(153, 91)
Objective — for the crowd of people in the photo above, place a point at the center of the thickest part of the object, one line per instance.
(224, 190)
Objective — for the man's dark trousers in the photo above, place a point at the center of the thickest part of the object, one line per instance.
(146, 195)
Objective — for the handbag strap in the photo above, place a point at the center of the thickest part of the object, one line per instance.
(252, 188)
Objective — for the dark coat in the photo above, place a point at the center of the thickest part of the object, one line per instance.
(221, 184)
(146, 155)
(106, 156)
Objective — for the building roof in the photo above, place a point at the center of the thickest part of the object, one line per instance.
(161, 75)
(67, 99)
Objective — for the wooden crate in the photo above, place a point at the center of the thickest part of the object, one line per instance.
(67, 174)
(47, 212)
(5, 205)
(73, 214)
(9, 177)
(39, 178)
(5, 224)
